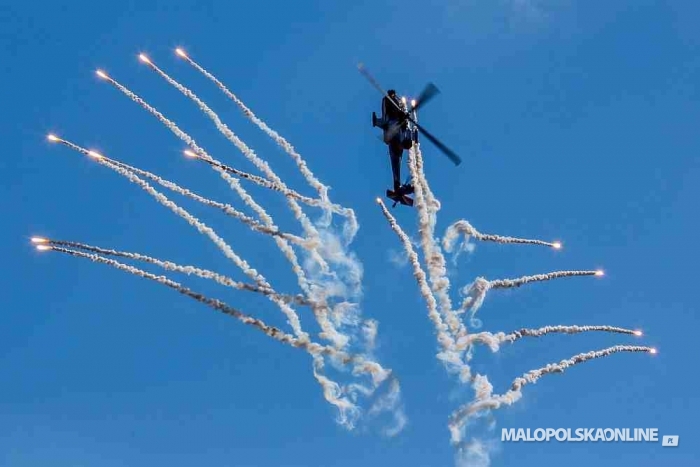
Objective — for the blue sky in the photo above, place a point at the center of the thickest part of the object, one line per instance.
(576, 121)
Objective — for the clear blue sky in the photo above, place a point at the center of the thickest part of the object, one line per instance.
(576, 121)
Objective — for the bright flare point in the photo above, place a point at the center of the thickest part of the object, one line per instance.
(378, 200)
(144, 59)
(637, 332)
(43, 247)
(189, 153)
(556, 245)
(654, 351)
(101, 74)
(53, 137)
(40, 240)
(599, 272)
(94, 154)
(180, 52)
(413, 102)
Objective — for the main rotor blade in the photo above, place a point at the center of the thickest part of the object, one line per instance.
(427, 94)
(361, 67)
(448, 152)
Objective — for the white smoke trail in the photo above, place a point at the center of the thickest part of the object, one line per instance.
(351, 226)
(369, 332)
(292, 317)
(427, 207)
(332, 392)
(495, 340)
(311, 347)
(319, 307)
(174, 267)
(261, 181)
(447, 343)
(510, 283)
(487, 401)
(475, 293)
(262, 165)
(343, 397)
(350, 269)
(433, 203)
(264, 216)
(226, 208)
(464, 227)
(348, 412)
(400, 424)
(283, 143)
(223, 246)
(437, 270)
(543, 331)
(349, 229)
(276, 183)
(324, 246)
(312, 247)
(391, 402)
(234, 183)
(475, 453)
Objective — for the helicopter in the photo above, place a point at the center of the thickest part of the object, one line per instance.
(400, 130)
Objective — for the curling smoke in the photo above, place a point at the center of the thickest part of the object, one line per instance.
(331, 272)
(311, 347)
(344, 280)
(189, 270)
(495, 340)
(275, 182)
(464, 227)
(267, 220)
(260, 181)
(510, 283)
(475, 293)
(234, 183)
(226, 208)
(490, 402)
(437, 271)
(446, 341)
(292, 317)
(263, 166)
(283, 143)
(332, 392)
